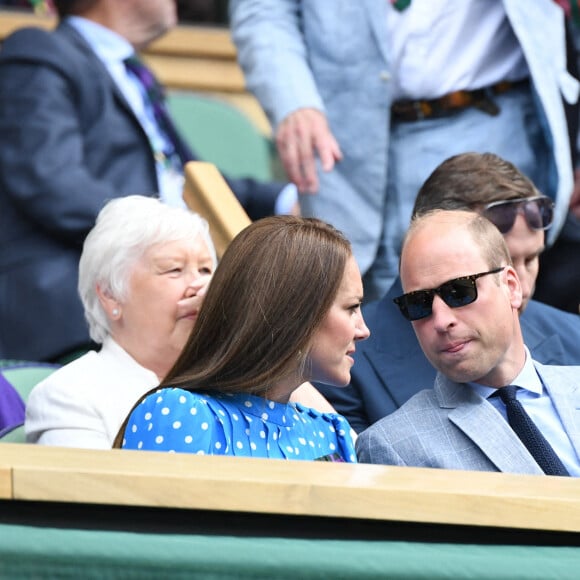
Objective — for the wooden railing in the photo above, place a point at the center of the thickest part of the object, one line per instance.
(190, 58)
(369, 492)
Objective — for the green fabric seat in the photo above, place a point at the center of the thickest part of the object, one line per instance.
(23, 376)
(223, 135)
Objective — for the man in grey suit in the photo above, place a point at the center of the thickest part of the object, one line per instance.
(462, 296)
(390, 366)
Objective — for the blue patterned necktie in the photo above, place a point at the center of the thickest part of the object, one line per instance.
(401, 4)
(529, 434)
(156, 97)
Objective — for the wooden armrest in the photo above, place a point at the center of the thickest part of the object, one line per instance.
(207, 193)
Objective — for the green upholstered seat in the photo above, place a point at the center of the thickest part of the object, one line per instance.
(223, 135)
(23, 376)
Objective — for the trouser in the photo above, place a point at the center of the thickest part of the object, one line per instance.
(418, 147)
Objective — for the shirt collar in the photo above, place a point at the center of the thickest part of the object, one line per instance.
(107, 44)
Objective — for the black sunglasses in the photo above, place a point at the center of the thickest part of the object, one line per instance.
(455, 293)
(538, 211)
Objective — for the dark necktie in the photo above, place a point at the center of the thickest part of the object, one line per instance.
(400, 4)
(529, 434)
(156, 97)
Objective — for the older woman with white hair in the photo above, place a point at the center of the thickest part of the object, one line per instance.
(143, 273)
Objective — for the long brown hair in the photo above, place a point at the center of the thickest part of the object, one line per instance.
(270, 292)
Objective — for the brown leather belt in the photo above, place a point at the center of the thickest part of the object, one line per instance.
(453, 102)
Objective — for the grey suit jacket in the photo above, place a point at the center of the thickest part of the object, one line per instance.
(452, 427)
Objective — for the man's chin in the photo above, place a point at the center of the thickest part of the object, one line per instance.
(461, 372)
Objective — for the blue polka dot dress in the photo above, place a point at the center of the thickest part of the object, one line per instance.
(180, 421)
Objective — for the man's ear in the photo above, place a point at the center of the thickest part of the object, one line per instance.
(514, 287)
(110, 305)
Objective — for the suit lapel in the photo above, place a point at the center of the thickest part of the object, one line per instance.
(95, 62)
(548, 350)
(563, 385)
(393, 372)
(377, 13)
(479, 421)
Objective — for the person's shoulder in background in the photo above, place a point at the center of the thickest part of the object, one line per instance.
(11, 407)
(551, 334)
(558, 282)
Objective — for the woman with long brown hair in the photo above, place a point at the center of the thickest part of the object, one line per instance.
(283, 308)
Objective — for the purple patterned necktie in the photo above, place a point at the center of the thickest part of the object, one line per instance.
(529, 434)
(156, 96)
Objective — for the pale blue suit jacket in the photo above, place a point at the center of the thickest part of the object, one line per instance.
(452, 427)
(333, 56)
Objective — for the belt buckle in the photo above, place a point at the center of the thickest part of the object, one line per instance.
(487, 105)
(418, 109)
(423, 110)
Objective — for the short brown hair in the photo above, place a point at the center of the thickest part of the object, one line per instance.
(270, 292)
(470, 180)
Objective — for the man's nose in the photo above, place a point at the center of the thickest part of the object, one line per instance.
(442, 315)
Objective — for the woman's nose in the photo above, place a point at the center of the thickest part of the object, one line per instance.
(362, 330)
(197, 284)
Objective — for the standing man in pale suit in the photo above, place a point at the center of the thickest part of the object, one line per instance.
(463, 295)
(367, 100)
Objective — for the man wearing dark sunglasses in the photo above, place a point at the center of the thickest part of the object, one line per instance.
(390, 367)
(463, 296)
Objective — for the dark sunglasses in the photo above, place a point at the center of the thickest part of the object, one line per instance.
(455, 293)
(538, 211)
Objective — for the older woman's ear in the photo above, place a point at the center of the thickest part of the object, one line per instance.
(109, 304)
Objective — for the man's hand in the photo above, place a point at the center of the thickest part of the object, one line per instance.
(300, 137)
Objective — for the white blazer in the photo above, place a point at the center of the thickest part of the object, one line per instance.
(84, 403)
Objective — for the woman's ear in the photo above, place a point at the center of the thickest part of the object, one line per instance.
(110, 305)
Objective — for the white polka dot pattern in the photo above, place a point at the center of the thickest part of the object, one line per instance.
(186, 422)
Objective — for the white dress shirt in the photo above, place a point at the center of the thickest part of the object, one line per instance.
(441, 46)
